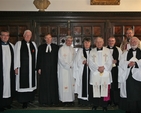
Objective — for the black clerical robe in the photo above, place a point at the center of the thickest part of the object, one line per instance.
(12, 75)
(48, 81)
(114, 93)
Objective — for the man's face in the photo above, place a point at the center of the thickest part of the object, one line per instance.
(99, 43)
(48, 39)
(111, 42)
(87, 44)
(4, 36)
(134, 42)
(129, 34)
(69, 42)
(27, 36)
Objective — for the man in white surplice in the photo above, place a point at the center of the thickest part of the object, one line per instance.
(7, 75)
(130, 78)
(81, 72)
(100, 64)
(25, 53)
(65, 68)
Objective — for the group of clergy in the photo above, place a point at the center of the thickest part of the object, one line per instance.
(17, 70)
(109, 74)
(97, 75)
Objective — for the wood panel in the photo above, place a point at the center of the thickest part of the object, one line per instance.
(119, 30)
(81, 30)
(77, 24)
(16, 29)
(58, 30)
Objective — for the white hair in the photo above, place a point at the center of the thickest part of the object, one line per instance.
(69, 37)
(26, 32)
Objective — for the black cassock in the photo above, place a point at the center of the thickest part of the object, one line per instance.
(48, 80)
(7, 101)
(114, 92)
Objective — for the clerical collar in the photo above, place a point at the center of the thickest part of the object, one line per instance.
(133, 49)
(111, 47)
(4, 43)
(99, 49)
(87, 49)
(128, 40)
(48, 44)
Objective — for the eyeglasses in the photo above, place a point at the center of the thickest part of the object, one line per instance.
(4, 35)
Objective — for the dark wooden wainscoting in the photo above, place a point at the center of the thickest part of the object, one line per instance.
(77, 24)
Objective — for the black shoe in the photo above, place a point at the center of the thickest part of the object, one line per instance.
(104, 109)
(94, 108)
(24, 105)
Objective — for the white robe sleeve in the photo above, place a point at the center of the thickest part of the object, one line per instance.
(75, 66)
(74, 55)
(108, 63)
(137, 71)
(120, 52)
(78, 66)
(92, 65)
(17, 55)
(61, 61)
(12, 46)
(123, 64)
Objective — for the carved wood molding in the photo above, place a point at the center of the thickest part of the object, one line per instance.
(105, 2)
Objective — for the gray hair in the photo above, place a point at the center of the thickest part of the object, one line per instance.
(135, 38)
(26, 32)
(69, 37)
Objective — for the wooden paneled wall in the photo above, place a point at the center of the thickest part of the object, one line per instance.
(76, 24)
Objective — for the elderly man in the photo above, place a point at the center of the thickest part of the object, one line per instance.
(100, 64)
(116, 53)
(7, 75)
(130, 78)
(82, 72)
(125, 45)
(66, 57)
(24, 65)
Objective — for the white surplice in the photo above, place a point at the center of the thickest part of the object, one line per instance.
(78, 73)
(66, 57)
(6, 55)
(17, 65)
(97, 79)
(124, 72)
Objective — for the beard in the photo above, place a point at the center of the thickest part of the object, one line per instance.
(134, 47)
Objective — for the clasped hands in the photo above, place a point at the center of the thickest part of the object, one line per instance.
(131, 64)
(85, 62)
(101, 69)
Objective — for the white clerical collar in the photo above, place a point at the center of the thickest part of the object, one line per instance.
(48, 48)
(111, 47)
